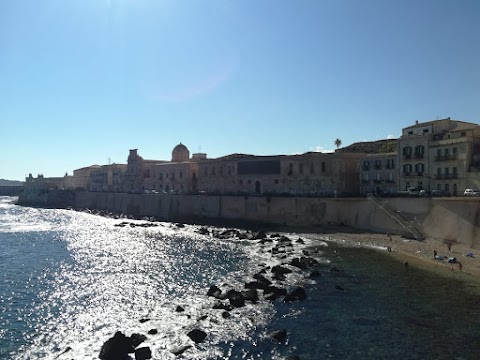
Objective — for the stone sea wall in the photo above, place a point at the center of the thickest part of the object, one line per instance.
(456, 219)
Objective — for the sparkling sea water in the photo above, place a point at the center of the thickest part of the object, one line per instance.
(69, 280)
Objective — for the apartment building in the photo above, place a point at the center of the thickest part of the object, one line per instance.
(437, 155)
(379, 173)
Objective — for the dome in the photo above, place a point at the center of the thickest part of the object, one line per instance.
(180, 153)
(180, 147)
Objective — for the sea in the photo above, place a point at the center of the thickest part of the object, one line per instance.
(70, 280)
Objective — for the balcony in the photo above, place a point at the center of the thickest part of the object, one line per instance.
(365, 168)
(377, 166)
(406, 173)
(377, 181)
(446, 157)
(419, 155)
(390, 166)
(407, 156)
(390, 181)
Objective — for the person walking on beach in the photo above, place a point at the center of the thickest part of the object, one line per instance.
(449, 245)
(435, 254)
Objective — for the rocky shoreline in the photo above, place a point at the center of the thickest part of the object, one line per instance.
(267, 284)
(272, 283)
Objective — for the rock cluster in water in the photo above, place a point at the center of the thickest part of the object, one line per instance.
(266, 284)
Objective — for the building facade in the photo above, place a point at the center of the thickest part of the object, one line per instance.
(379, 174)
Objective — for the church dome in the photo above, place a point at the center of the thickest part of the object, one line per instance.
(180, 153)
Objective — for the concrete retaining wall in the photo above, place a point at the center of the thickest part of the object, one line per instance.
(442, 218)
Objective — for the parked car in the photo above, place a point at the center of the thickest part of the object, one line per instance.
(439, 193)
(471, 192)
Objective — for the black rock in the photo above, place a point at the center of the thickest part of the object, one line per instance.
(179, 309)
(144, 320)
(250, 295)
(296, 295)
(226, 314)
(236, 298)
(294, 357)
(339, 288)
(197, 335)
(221, 306)
(152, 331)
(280, 270)
(143, 353)
(256, 285)
(284, 239)
(137, 339)
(279, 335)
(259, 235)
(117, 347)
(314, 274)
(214, 291)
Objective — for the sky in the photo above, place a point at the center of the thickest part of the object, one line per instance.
(84, 81)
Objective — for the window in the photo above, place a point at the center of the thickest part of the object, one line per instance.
(425, 131)
(410, 133)
(161, 176)
(300, 169)
(390, 176)
(312, 169)
(323, 166)
(229, 170)
(445, 152)
(446, 172)
(439, 172)
(181, 174)
(173, 176)
(290, 169)
(454, 151)
(213, 170)
(206, 171)
(407, 151)
(454, 172)
(407, 169)
(447, 188)
(221, 170)
(463, 133)
(276, 181)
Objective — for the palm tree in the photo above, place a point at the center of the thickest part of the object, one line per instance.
(338, 142)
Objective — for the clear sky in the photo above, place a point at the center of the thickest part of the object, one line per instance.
(84, 81)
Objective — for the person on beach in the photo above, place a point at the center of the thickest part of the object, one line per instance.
(434, 254)
(460, 266)
(389, 237)
(449, 245)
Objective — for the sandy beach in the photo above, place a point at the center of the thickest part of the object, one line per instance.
(417, 253)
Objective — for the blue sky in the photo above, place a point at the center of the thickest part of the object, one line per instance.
(84, 81)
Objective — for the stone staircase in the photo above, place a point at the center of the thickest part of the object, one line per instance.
(397, 216)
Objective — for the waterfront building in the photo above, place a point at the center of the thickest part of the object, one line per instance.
(309, 174)
(179, 176)
(107, 178)
(379, 174)
(437, 155)
(81, 177)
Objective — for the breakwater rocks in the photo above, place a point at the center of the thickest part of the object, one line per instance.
(287, 265)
